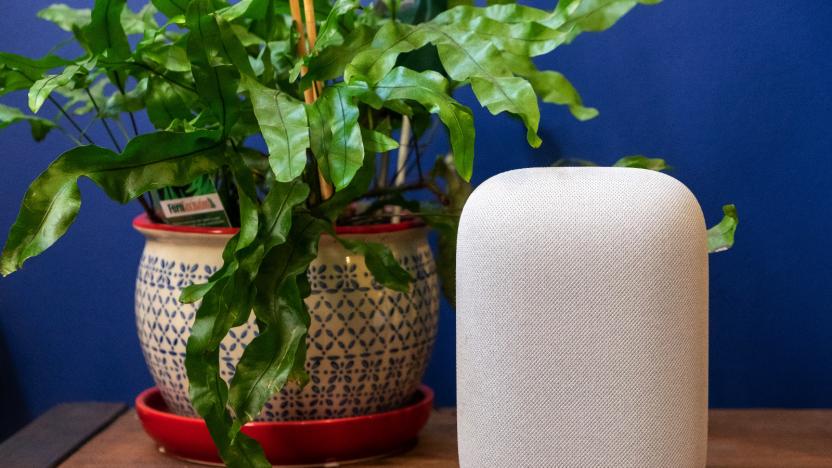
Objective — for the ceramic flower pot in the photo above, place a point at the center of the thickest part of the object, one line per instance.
(368, 345)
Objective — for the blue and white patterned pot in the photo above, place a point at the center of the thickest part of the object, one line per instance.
(368, 345)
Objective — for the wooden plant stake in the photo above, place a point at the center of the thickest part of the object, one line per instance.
(401, 161)
(310, 95)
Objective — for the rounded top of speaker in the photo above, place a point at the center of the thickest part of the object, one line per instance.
(640, 202)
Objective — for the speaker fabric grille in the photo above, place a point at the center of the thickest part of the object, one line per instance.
(582, 321)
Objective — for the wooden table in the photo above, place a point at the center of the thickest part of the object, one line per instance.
(738, 438)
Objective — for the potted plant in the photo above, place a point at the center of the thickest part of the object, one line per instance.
(323, 222)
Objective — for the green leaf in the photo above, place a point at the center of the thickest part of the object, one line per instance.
(512, 28)
(320, 134)
(213, 41)
(222, 306)
(277, 210)
(165, 104)
(148, 162)
(248, 38)
(139, 22)
(721, 236)
(591, 15)
(18, 72)
(391, 40)
(269, 362)
(482, 64)
(105, 38)
(105, 32)
(197, 291)
(528, 31)
(41, 65)
(328, 34)
(251, 9)
(257, 162)
(456, 3)
(336, 135)
(171, 8)
(332, 208)
(79, 103)
(169, 57)
(642, 162)
(269, 359)
(130, 101)
(228, 297)
(237, 253)
(509, 94)
(286, 261)
(249, 202)
(552, 87)
(227, 300)
(229, 43)
(283, 123)
(243, 8)
(11, 115)
(472, 41)
(377, 142)
(380, 261)
(430, 90)
(66, 17)
(43, 88)
(419, 11)
(266, 19)
(464, 57)
(215, 78)
(331, 62)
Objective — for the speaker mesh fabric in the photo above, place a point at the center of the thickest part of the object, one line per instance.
(582, 321)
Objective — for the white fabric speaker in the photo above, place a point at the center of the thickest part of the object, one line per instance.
(582, 321)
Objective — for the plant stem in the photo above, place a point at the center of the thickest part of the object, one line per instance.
(71, 120)
(382, 175)
(103, 120)
(144, 66)
(122, 129)
(418, 154)
(120, 87)
(391, 190)
(148, 210)
(133, 123)
(405, 168)
(421, 185)
(70, 136)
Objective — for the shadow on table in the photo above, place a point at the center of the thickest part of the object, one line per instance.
(13, 412)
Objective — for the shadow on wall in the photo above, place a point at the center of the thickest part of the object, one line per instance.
(13, 412)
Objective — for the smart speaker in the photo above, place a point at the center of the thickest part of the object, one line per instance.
(582, 321)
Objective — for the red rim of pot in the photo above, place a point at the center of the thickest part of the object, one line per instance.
(142, 406)
(143, 222)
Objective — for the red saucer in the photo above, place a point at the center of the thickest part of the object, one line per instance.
(314, 442)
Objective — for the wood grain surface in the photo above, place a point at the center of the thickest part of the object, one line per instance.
(738, 438)
(53, 436)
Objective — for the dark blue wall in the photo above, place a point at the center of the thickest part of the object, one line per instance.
(734, 94)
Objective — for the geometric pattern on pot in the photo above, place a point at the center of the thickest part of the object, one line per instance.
(368, 346)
